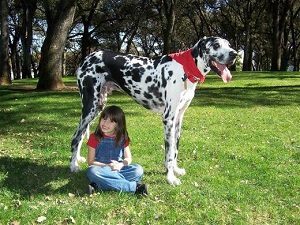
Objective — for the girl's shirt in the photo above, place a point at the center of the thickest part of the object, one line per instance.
(106, 149)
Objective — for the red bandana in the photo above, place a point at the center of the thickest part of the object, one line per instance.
(189, 66)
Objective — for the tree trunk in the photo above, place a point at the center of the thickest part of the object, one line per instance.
(59, 21)
(130, 40)
(285, 52)
(29, 8)
(279, 16)
(63, 65)
(166, 11)
(247, 62)
(86, 36)
(14, 55)
(276, 38)
(294, 46)
(5, 78)
(85, 40)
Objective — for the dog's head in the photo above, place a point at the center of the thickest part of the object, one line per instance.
(214, 53)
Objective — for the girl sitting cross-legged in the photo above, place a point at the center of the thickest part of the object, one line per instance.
(109, 156)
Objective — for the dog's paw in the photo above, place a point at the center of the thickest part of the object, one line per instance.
(179, 171)
(173, 180)
(74, 167)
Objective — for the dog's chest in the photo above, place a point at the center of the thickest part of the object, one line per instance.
(189, 94)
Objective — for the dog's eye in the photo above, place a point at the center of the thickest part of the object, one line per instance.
(216, 46)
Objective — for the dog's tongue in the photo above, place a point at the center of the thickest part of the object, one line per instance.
(224, 72)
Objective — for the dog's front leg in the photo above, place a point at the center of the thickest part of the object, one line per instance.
(179, 118)
(170, 151)
(178, 171)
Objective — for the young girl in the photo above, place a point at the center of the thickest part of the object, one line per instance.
(109, 156)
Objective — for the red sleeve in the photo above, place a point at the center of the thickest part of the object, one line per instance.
(92, 142)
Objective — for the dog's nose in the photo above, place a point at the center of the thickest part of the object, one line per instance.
(232, 54)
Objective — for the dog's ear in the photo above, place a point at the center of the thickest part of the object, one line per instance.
(195, 51)
(199, 48)
(202, 43)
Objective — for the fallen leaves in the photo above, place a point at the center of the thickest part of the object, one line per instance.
(71, 195)
(17, 203)
(41, 219)
(69, 220)
(65, 221)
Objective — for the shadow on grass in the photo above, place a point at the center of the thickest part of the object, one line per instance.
(16, 106)
(248, 96)
(26, 178)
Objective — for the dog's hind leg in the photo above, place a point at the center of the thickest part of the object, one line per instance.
(87, 132)
(89, 90)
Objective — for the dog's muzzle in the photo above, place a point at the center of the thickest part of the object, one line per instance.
(222, 69)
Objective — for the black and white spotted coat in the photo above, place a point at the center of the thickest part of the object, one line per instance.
(159, 84)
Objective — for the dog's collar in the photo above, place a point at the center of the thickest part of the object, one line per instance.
(187, 61)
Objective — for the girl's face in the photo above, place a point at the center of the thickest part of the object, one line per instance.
(107, 126)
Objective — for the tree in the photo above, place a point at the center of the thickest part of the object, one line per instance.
(86, 19)
(15, 35)
(134, 21)
(5, 78)
(279, 12)
(241, 20)
(267, 31)
(199, 20)
(295, 35)
(60, 16)
(29, 7)
(166, 10)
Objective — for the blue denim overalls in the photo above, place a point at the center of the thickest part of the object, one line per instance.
(104, 177)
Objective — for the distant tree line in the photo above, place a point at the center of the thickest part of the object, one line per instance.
(49, 38)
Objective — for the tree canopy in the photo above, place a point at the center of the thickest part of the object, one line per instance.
(49, 38)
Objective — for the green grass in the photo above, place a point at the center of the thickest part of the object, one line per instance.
(240, 147)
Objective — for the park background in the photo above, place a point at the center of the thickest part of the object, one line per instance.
(240, 142)
(49, 38)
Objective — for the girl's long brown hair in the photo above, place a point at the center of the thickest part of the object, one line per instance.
(115, 114)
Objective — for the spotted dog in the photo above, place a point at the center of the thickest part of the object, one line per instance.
(165, 85)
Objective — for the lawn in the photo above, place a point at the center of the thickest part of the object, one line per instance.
(240, 147)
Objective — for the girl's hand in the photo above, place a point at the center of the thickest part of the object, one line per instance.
(115, 165)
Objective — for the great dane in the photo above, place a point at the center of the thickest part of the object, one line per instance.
(165, 85)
